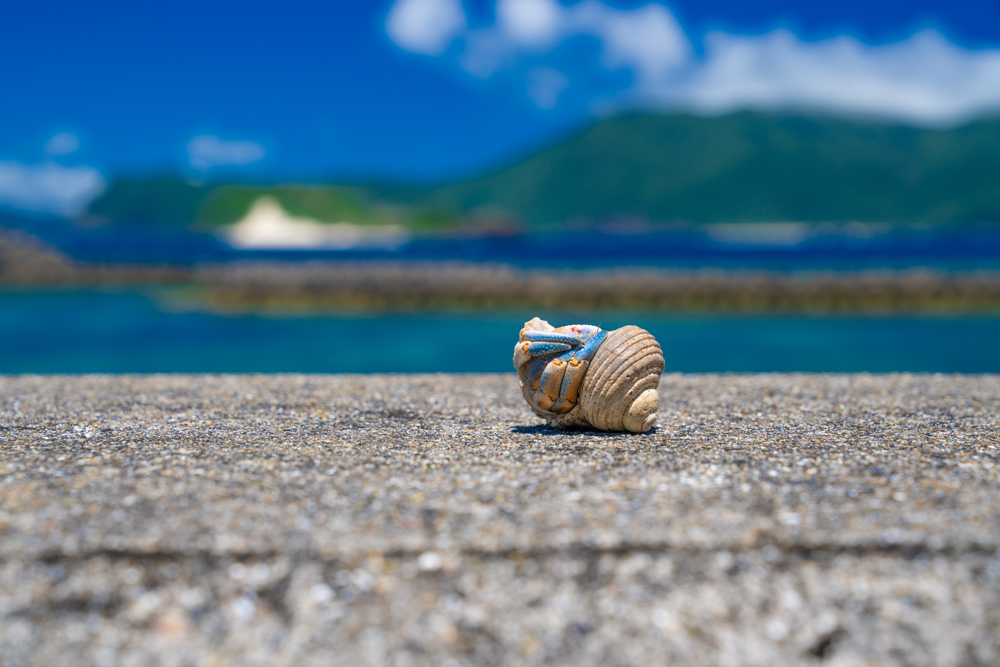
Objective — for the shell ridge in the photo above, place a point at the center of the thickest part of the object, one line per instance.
(596, 387)
(622, 372)
(620, 362)
(624, 360)
(601, 408)
(600, 388)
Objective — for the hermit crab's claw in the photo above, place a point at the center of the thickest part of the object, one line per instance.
(570, 389)
(552, 362)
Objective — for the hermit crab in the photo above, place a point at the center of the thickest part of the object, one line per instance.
(580, 375)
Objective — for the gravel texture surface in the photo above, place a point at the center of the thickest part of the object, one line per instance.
(432, 520)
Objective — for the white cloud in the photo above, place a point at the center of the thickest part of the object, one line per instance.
(532, 23)
(425, 26)
(62, 143)
(647, 39)
(924, 79)
(206, 151)
(49, 187)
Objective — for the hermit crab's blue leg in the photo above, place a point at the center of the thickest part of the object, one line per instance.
(533, 335)
(526, 350)
(533, 373)
(587, 351)
(539, 349)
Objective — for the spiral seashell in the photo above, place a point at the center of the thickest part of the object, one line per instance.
(581, 375)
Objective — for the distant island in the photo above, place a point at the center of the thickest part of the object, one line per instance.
(744, 167)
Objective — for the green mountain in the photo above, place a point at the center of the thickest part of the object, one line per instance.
(159, 200)
(751, 167)
(169, 201)
(743, 167)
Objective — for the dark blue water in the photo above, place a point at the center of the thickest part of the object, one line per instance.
(114, 332)
(775, 247)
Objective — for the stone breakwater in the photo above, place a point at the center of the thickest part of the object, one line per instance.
(431, 519)
(25, 261)
(381, 285)
(402, 286)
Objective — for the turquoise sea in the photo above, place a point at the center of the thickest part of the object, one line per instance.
(88, 331)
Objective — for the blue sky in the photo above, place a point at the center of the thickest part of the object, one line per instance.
(433, 89)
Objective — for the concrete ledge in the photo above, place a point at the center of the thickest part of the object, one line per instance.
(273, 520)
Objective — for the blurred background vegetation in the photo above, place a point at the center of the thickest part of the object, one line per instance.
(745, 167)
